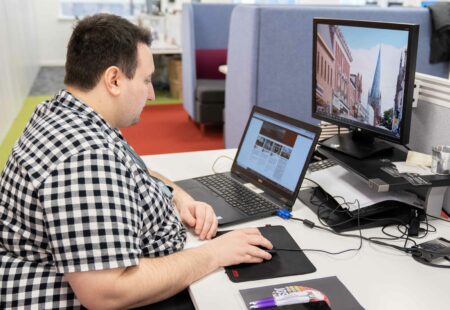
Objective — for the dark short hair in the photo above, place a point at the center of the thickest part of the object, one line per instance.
(101, 41)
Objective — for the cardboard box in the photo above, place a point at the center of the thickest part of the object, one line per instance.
(175, 69)
(176, 90)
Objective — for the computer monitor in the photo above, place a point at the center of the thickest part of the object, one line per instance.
(363, 79)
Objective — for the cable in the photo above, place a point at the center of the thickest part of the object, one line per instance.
(414, 250)
(217, 159)
(313, 225)
(321, 204)
(352, 217)
(409, 247)
(375, 240)
(402, 227)
(404, 235)
(337, 209)
(310, 180)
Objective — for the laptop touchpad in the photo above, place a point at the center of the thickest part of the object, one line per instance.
(202, 195)
(219, 205)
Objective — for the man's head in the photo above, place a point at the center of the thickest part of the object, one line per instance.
(109, 56)
(101, 41)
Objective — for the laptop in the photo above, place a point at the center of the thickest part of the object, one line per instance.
(267, 172)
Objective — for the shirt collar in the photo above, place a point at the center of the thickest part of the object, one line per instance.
(68, 100)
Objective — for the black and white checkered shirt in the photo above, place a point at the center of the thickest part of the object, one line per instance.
(73, 199)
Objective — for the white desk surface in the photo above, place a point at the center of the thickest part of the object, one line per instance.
(378, 277)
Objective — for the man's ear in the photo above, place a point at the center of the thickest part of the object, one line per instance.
(112, 78)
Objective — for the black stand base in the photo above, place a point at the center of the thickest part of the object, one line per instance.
(356, 146)
(341, 220)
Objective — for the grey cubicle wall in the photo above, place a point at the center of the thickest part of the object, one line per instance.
(241, 81)
(430, 126)
(204, 26)
(270, 57)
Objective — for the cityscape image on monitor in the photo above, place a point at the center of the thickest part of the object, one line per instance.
(360, 75)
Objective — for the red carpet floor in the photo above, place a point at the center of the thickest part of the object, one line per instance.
(167, 129)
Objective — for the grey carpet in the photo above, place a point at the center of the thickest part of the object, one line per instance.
(48, 81)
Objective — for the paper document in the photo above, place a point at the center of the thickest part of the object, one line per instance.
(419, 159)
(339, 182)
(405, 167)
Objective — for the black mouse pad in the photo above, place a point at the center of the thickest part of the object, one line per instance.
(283, 263)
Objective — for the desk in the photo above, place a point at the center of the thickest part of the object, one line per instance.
(164, 48)
(378, 277)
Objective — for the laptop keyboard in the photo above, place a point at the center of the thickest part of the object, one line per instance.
(237, 195)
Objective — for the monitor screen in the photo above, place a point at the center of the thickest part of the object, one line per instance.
(363, 76)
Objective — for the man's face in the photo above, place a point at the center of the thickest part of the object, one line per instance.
(138, 89)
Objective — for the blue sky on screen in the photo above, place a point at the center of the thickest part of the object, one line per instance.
(359, 37)
(364, 44)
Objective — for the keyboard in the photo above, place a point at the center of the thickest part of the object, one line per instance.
(322, 164)
(237, 195)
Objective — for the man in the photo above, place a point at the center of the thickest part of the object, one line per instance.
(82, 221)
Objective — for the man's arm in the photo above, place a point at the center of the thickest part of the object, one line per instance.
(155, 279)
(196, 214)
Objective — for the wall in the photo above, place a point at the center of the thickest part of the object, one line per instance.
(19, 60)
(53, 33)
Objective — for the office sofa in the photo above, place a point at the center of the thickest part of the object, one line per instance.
(270, 57)
(204, 49)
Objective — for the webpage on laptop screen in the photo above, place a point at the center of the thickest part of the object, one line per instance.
(275, 150)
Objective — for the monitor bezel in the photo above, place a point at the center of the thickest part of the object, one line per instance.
(413, 34)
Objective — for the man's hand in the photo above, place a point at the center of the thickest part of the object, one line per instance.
(201, 217)
(239, 246)
(195, 214)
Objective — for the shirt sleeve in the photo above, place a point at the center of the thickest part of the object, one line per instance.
(92, 215)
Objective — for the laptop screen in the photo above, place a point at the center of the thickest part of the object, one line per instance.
(276, 150)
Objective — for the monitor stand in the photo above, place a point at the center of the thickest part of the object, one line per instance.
(356, 144)
(327, 209)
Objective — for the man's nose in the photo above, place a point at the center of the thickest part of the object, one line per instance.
(151, 92)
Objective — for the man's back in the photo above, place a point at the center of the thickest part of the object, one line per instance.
(73, 200)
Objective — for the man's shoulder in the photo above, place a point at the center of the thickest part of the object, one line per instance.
(55, 133)
(59, 128)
